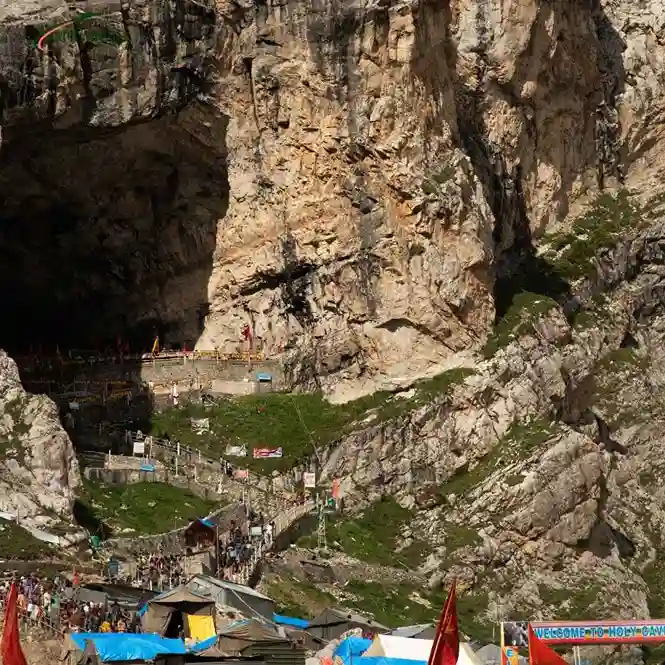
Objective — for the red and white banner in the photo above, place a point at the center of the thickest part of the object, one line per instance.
(267, 453)
(241, 474)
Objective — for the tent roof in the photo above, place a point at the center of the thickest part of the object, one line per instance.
(204, 580)
(412, 631)
(111, 647)
(180, 594)
(236, 637)
(335, 615)
(290, 621)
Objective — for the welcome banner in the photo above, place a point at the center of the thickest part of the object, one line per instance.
(600, 632)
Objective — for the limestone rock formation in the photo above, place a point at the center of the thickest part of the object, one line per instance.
(38, 471)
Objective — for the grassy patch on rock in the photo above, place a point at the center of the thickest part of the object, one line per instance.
(519, 442)
(613, 375)
(606, 222)
(298, 598)
(295, 422)
(526, 309)
(373, 536)
(145, 508)
(18, 544)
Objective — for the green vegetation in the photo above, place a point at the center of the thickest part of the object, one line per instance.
(612, 376)
(526, 309)
(295, 422)
(654, 576)
(373, 536)
(572, 252)
(520, 441)
(582, 603)
(18, 544)
(298, 598)
(459, 536)
(144, 507)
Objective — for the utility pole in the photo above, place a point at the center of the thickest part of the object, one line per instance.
(321, 541)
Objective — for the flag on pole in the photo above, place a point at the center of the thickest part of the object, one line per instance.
(247, 333)
(155, 346)
(540, 653)
(445, 648)
(12, 654)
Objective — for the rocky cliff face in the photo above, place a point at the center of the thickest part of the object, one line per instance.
(388, 166)
(38, 471)
(365, 186)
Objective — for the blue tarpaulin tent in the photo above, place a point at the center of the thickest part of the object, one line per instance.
(290, 621)
(206, 521)
(110, 647)
(351, 649)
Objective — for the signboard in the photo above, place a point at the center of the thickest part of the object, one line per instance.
(200, 425)
(241, 474)
(600, 632)
(255, 531)
(236, 451)
(267, 453)
(139, 447)
(514, 636)
(309, 479)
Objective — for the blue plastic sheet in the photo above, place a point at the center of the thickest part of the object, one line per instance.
(129, 646)
(207, 522)
(350, 649)
(290, 621)
(203, 645)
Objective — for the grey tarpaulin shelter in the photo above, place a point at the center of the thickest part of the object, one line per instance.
(243, 598)
(334, 621)
(165, 613)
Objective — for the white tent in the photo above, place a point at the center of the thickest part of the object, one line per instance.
(408, 648)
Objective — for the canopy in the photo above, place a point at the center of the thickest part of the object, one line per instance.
(165, 613)
(112, 647)
(406, 648)
(396, 648)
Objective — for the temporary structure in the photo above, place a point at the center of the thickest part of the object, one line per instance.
(167, 614)
(408, 648)
(96, 648)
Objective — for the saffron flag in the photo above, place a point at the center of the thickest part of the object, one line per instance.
(445, 648)
(12, 654)
(540, 653)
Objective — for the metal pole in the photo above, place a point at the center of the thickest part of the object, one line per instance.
(217, 548)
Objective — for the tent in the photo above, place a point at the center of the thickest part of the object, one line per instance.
(394, 647)
(290, 621)
(167, 614)
(95, 648)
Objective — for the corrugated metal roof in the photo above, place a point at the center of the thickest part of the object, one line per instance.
(231, 586)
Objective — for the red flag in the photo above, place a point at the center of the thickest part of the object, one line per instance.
(247, 333)
(445, 648)
(12, 654)
(540, 653)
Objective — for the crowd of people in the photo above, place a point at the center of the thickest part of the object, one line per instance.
(159, 571)
(60, 605)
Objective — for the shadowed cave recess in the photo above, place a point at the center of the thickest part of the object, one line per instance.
(113, 179)
(109, 237)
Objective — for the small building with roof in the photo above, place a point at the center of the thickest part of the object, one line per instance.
(201, 533)
(421, 631)
(331, 623)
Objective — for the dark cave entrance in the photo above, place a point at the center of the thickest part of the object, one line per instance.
(107, 237)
